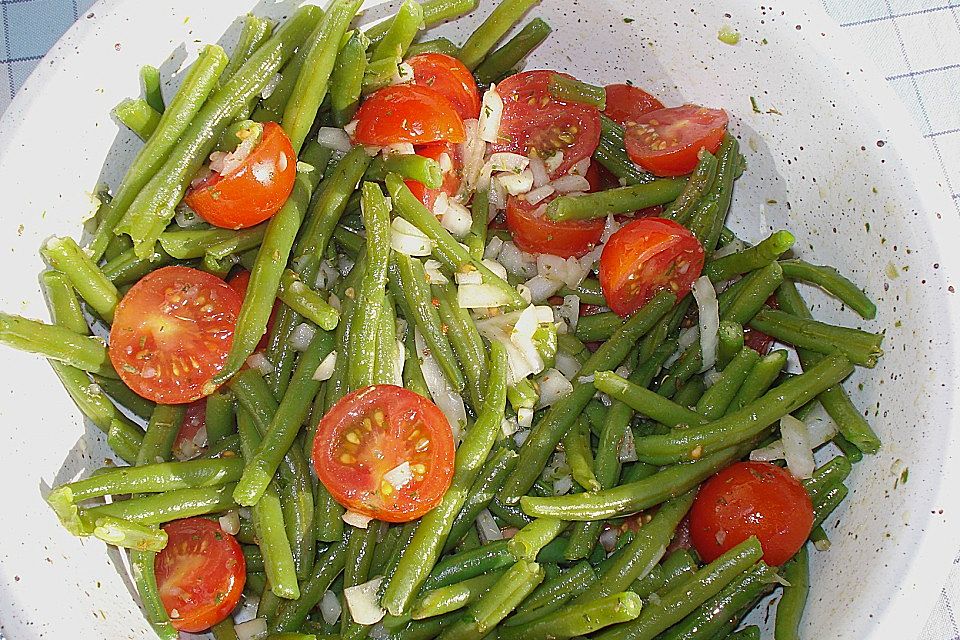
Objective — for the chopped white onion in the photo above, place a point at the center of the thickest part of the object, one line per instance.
(796, 447)
(521, 436)
(330, 607)
(355, 519)
(446, 398)
(487, 527)
(563, 486)
(554, 386)
(258, 362)
(525, 417)
(509, 426)
(434, 275)
(819, 431)
(542, 288)
(468, 277)
(301, 336)
(734, 246)
(456, 219)
(628, 448)
(351, 127)
(334, 138)
(363, 602)
(403, 75)
(251, 629)
(407, 239)
(553, 162)
(516, 183)
(509, 162)
(334, 302)
(540, 177)
(496, 198)
(708, 320)
(581, 167)
(326, 275)
(482, 296)
(186, 217)
(400, 476)
(472, 151)
(491, 112)
(446, 164)
(327, 365)
(567, 365)
(569, 311)
(230, 522)
(608, 539)
(570, 183)
(492, 250)
(516, 262)
(539, 194)
(570, 271)
(496, 267)
(610, 227)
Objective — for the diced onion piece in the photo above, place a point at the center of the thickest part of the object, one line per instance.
(509, 162)
(334, 138)
(468, 277)
(355, 519)
(734, 246)
(472, 151)
(492, 250)
(482, 296)
(258, 362)
(186, 217)
(553, 387)
(403, 75)
(569, 311)
(525, 417)
(539, 194)
(517, 262)
(509, 426)
(708, 320)
(553, 162)
(581, 167)
(456, 219)
(521, 436)
(351, 127)
(544, 314)
(446, 164)
(327, 365)
(567, 365)
(497, 197)
(608, 539)
(516, 183)
(570, 183)
(563, 485)
(408, 239)
(230, 522)
(628, 448)
(540, 177)
(400, 476)
(487, 527)
(796, 447)
(254, 629)
(330, 607)
(496, 267)
(491, 112)
(363, 602)
(434, 275)
(542, 288)
(399, 149)
(302, 336)
(446, 398)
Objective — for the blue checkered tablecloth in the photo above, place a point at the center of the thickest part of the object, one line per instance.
(916, 44)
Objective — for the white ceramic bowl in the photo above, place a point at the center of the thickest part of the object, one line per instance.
(831, 157)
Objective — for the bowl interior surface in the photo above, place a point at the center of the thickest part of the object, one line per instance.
(824, 161)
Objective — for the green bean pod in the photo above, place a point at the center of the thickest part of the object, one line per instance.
(498, 64)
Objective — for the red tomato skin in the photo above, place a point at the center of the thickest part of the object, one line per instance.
(533, 119)
(751, 499)
(626, 103)
(666, 142)
(644, 257)
(220, 559)
(451, 179)
(407, 113)
(194, 419)
(165, 317)
(535, 233)
(449, 77)
(240, 199)
(355, 482)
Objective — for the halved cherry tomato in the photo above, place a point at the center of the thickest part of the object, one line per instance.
(194, 419)
(534, 122)
(751, 499)
(535, 233)
(644, 257)
(239, 282)
(374, 430)
(172, 332)
(252, 192)
(626, 103)
(450, 78)
(451, 178)
(200, 574)
(407, 113)
(666, 142)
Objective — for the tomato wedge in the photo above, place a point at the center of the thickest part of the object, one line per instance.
(751, 499)
(194, 419)
(534, 122)
(252, 192)
(626, 103)
(385, 452)
(450, 78)
(172, 332)
(407, 113)
(451, 177)
(535, 233)
(666, 142)
(200, 574)
(644, 257)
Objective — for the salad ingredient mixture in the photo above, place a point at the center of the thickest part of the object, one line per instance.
(406, 341)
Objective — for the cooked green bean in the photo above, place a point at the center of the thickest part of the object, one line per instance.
(66, 256)
(498, 64)
(598, 326)
(57, 343)
(676, 567)
(150, 83)
(504, 16)
(453, 597)
(138, 116)
(293, 613)
(711, 212)
(406, 23)
(476, 240)
(253, 34)
(790, 608)
(569, 89)
(697, 186)
(434, 11)
(860, 347)
(528, 542)
(614, 201)
(831, 281)
(646, 402)
(465, 339)
(612, 155)
(715, 400)
(164, 507)
(356, 570)
(576, 448)
(729, 342)
(124, 396)
(759, 380)
(826, 477)
(408, 166)
(589, 292)
(750, 259)
(578, 619)
(481, 493)
(307, 302)
(127, 268)
(438, 45)
(347, 78)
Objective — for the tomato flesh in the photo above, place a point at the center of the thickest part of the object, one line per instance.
(375, 430)
(172, 332)
(407, 113)
(194, 419)
(451, 178)
(536, 123)
(252, 192)
(450, 78)
(626, 103)
(200, 574)
(666, 142)
(645, 257)
(535, 233)
(751, 499)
